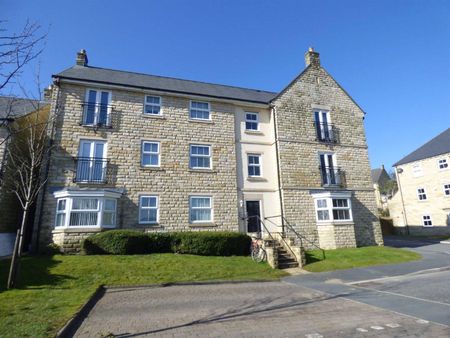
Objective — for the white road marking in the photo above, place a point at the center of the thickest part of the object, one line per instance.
(313, 335)
(422, 321)
(360, 329)
(377, 327)
(393, 325)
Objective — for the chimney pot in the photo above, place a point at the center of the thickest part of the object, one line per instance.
(82, 59)
(312, 58)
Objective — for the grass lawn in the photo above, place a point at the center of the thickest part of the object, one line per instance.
(52, 289)
(356, 257)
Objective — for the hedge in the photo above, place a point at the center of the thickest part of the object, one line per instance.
(206, 243)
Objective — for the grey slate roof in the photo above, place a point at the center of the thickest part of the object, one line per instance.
(144, 81)
(436, 146)
(376, 173)
(13, 107)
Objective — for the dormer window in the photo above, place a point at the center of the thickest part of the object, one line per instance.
(97, 108)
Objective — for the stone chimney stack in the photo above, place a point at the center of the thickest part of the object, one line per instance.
(312, 58)
(82, 59)
(382, 166)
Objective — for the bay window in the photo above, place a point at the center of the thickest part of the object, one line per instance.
(333, 207)
(86, 208)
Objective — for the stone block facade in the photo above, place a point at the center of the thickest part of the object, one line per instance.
(285, 141)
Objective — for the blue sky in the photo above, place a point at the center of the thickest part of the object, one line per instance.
(393, 57)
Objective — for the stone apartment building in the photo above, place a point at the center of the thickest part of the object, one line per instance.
(162, 154)
(422, 204)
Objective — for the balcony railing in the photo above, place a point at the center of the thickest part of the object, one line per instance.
(91, 170)
(326, 132)
(96, 115)
(332, 177)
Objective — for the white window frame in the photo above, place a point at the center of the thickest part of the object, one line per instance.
(259, 165)
(211, 208)
(70, 195)
(321, 123)
(417, 170)
(152, 105)
(252, 121)
(199, 109)
(327, 166)
(97, 106)
(423, 194)
(92, 160)
(149, 208)
(209, 146)
(443, 164)
(446, 189)
(158, 153)
(329, 197)
(427, 218)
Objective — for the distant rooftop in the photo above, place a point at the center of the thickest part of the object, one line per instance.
(13, 107)
(168, 84)
(436, 146)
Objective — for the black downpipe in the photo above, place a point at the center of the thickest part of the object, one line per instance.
(278, 168)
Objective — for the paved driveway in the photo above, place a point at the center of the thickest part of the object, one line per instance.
(420, 289)
(272, 309)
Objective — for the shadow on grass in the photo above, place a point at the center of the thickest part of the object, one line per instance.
(34, 273)
(313, 257)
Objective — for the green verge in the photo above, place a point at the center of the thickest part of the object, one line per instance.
(53, 288)
(356, 257)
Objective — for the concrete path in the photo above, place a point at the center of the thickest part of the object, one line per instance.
(272, 309)
(420, 288)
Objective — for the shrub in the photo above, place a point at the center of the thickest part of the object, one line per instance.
(117, 242)
(208, 243)
(125, 242)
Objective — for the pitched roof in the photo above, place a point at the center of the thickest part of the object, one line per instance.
(144, 81)
(13, 107)
(436, 146)
(376, 173)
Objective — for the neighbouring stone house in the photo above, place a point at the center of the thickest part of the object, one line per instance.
(422, 204)
(380, 178)
(164, 154)
(14, 111)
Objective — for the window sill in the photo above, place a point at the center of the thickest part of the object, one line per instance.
(336, 223)
(256, 179)
(209, 224)
(254, 132)
(161, 117)
(58, 230)
(206, 171)
(91, 126)
(201, 121)
(151, 168)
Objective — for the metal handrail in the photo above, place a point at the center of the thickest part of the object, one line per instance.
(329, 131)
(332, 176)
(91, 169)
(299, 236)
(270, 234)
(101, 114)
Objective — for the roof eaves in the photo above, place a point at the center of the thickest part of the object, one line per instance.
(159, 89)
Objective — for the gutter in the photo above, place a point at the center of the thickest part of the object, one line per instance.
(277, 152)
(190, 94)
(401, 197)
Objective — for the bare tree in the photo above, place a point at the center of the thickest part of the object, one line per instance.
(16, 51)
(22, 176)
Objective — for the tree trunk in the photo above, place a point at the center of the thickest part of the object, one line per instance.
(13, 267)
(17, 253)
(22, 228)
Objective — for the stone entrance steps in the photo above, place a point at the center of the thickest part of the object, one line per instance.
(285, 259)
